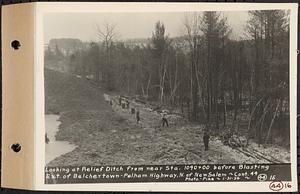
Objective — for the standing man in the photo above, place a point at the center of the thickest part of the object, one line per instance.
(138, 117)
(47, 140)
(206, 139)
(120, 100)
(164, 119)
(132, 110)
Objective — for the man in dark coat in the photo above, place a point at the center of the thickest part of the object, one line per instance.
(47, 140)
(120, 100)
(138, 117)
(164, 119)
(206, 139)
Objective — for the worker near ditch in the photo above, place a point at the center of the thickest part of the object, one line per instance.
(164, 119)
(47, 140)
(138, 116)
(120, 100)
(206, 139)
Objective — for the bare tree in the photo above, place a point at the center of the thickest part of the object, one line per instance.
(106, 34)
(192, 27)
(161, 44)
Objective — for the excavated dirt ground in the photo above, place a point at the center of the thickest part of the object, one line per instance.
(109, 135)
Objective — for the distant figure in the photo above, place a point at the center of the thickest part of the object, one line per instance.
(138, 117)
(47, 140)
(206, 139)
(164, 119)
(123, 105)
(120, 100)
(127, 104)
(132, 110)
(110, 102)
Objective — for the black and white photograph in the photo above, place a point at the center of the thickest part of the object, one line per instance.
(167, 88)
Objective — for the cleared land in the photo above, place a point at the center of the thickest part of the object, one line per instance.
(109, 135)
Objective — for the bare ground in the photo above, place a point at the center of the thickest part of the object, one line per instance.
(109, 135)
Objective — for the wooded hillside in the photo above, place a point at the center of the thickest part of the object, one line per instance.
(233, 86)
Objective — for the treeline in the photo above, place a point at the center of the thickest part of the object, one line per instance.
(214, 79)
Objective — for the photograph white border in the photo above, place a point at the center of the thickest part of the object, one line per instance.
(42, 8)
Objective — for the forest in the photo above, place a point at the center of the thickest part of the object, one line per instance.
(232, 86)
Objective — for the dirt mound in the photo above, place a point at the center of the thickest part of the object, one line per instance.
(84, 113)
(79, 126)
(65, 92)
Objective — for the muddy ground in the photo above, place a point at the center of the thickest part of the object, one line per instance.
(109, 135)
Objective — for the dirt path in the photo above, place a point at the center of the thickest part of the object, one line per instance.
(136, 144)
(188, 139)
(109, 135)
(178, 143)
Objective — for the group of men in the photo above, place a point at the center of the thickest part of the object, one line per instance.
(164, 120)
(124, 103)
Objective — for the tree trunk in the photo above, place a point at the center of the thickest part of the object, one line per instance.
(272, 121)
(250, 119)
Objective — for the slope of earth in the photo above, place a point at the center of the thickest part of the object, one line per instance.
(218, 153)
(108, 135)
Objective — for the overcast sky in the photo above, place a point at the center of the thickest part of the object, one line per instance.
(128, 25)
